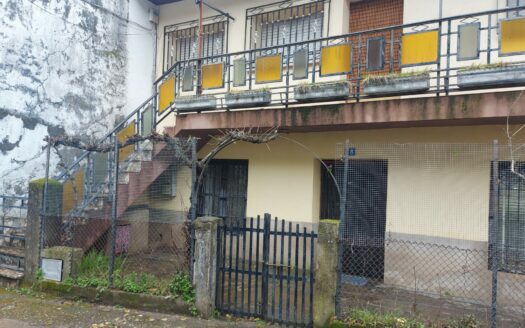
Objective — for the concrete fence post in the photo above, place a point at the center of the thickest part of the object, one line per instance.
(205, 264)
(325, 285)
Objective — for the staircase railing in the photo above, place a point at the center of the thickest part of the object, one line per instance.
(13, 213)
(90, 176)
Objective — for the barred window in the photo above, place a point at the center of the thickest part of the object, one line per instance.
(288, 25)
(516, 13)
(510, 241)
(182, 44)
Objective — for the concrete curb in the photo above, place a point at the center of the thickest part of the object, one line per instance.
(116, 297)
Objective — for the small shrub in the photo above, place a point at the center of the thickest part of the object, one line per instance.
(465, 322)
(137, 283)
(180, 286)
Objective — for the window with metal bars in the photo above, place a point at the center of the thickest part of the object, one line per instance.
(510, 237)
(182, 44)
(288, 25)
(515, 13)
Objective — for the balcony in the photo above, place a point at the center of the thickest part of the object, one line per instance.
(453, 55)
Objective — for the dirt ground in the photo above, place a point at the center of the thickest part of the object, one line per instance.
(28, 309)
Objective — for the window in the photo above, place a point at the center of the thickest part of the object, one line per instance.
(375, 54)
(515, 3)
(510, 240)
(288, 25)
(468, 41)
(181, 42)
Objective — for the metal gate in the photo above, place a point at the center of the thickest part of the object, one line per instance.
(264, 270)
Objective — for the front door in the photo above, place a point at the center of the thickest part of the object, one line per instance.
(365, 219)
(223, 190)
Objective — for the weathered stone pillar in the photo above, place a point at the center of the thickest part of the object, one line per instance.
(205, 267)
(35, 227)
(326, 272)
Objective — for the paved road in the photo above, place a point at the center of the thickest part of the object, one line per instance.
(19, 310)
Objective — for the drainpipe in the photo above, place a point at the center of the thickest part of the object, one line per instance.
(155, 53)
(199, 61)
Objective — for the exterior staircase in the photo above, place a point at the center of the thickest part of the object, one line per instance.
(136, 173)
(12, 239)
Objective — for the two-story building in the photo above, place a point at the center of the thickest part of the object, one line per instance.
(418, 90)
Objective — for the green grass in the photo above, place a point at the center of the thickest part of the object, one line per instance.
(93, 272)
(371, 319)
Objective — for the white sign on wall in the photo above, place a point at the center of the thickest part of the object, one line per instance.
(52, 269)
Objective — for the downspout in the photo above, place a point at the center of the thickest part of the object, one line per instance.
(199, 61)
(155, 53)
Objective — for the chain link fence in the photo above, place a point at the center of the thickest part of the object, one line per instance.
(432, 231)
(122, 225)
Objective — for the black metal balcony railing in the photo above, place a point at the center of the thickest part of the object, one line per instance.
(460, 42)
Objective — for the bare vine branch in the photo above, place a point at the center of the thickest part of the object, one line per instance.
(231, 136)
(105, 147)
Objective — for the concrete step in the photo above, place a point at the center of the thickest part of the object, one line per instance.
(12, 251)
(10, 278)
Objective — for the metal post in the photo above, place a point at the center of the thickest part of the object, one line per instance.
(489, 39)
(342, 216)
(44, 200)
(493, 250)
(358, 75)
(288, 76)
(447, 74)
(114, 211)
(194, 188)
(266, 259)
(193, 206)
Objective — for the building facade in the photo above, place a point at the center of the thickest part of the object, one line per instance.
(434, 190)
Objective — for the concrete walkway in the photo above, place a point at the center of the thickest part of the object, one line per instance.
(32, 310)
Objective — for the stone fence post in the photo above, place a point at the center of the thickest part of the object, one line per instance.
(205, 264)
(325, 285)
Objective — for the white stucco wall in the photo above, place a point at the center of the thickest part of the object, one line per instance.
(67, 66)
(141, 39)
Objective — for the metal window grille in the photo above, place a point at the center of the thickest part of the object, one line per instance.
(515, 3)
(288, 25)
(181, 40)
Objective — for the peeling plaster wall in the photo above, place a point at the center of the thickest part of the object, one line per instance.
(64, 67)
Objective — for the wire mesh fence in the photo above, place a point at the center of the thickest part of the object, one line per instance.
(122, 225)
(433, 231)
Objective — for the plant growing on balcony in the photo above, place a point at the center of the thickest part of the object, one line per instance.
(498, 74)
(335, 90)
(195, 103)
(248, 98)
(476, 67)
(397, 83)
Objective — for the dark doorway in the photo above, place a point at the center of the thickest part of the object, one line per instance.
(224, 189)
(365, 222)
(329, 194)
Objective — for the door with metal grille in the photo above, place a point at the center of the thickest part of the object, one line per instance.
(223, 191)
(363, 229)
(264, 270)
